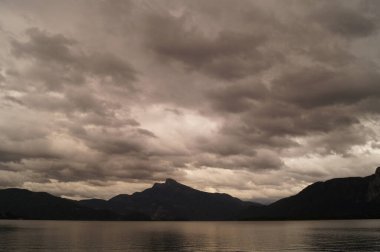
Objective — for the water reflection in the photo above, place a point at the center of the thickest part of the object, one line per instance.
(346, 236)
(190, 236)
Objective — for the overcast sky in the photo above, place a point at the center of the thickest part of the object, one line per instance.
(253, 98)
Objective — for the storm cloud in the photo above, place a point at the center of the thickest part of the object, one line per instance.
(253, 98)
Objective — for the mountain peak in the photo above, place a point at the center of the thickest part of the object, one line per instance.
(170, 181)
(377, 172)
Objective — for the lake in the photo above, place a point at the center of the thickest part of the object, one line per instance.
(352, 235)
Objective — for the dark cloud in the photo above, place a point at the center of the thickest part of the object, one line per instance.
(12, 155)
(238, 97)
(261, 160)
(255, 98)
(226, 55)
(60, 63)
(345, 21)
(45, 47)
(341, 141)
(321, 87)
(146, 133)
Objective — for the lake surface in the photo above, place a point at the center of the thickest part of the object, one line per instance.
(355, 235)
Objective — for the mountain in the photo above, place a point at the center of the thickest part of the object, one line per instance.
(174, 201)
(340, 198)
(23, 204)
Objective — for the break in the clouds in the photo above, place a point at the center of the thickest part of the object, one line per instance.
(253, 98)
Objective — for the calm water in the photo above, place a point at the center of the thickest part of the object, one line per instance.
(190, 236)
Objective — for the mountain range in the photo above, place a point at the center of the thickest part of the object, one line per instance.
(340, 198)
(174, 201)
(23, 204)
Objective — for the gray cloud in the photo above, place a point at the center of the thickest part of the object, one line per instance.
(346, 21)
(254, 98)
(55, 52)
(238, 97)
(226, 55)
(326, 87)
(45, 47)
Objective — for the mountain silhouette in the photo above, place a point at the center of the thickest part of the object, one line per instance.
(340, 198)
(23, 204)
(174, 201)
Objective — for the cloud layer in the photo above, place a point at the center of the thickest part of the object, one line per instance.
(252, 98)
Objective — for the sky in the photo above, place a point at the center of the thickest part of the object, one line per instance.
(257, 99)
